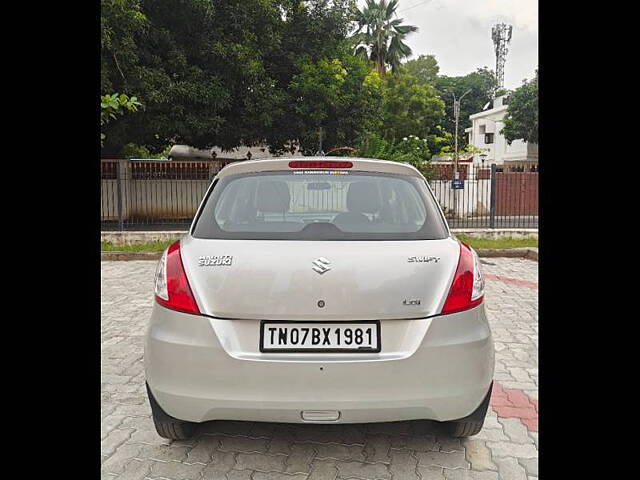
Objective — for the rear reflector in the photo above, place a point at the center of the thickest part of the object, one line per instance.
(172, 287)
(467, 288)
(319, 164)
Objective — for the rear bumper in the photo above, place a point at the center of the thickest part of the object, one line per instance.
(202, 369)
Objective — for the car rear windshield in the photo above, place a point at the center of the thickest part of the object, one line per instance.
(320, 205)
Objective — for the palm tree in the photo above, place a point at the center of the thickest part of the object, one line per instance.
(379, 37)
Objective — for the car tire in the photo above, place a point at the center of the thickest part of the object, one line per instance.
(168, 426)
(463, 429)
(471, 424)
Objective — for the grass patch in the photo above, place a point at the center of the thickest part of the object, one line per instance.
(506, 242)
(143, 247)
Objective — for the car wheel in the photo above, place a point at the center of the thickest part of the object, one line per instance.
(166, 425)
(471, 424)
(463, 429)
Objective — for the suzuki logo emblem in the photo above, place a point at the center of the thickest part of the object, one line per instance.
(321, 265)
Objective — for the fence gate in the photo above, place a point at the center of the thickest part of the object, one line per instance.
(516, 193)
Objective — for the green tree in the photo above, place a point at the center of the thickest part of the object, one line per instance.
(200, 72)
(380, 37)
(412, 149)
(215, 72)
(121, 24)
(410, 107)
(521, 120)
(440, 141)
(318, 86)
(425, 68)
(114, 105)
(341, 95)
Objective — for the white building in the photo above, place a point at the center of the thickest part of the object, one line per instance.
(485, 134)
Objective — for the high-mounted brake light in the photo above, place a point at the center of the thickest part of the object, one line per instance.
(319, 164)
(467, 288)
(172, 287)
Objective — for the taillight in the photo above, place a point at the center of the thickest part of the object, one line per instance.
(319, 164)
(172, 287)
(467, 289)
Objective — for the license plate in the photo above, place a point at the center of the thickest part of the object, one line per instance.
(327, 337)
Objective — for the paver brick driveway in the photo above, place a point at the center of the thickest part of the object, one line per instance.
(506, 448)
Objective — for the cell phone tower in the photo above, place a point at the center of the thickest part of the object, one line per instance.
(501, 35)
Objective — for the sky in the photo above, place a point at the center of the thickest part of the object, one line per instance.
(458, 33)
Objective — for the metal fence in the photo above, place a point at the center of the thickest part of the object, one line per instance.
(164, 195)
(153, 195)
(487, 197)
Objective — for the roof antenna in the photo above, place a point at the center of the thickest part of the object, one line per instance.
(320, 152)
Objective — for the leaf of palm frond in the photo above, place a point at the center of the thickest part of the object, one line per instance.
(405, 49)
(405, 29)
(398, 49)
(391, 8)
(392, 26)
(393, 45)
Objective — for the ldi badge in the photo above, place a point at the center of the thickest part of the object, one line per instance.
(423, 259)
(215, 260)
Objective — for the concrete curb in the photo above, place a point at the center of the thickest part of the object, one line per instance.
(130, 255)
(528, 253)
(136, 238)
(496, 233)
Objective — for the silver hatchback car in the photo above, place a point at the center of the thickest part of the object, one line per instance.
(318, 291)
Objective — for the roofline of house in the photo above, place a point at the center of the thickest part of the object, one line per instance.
(499, 109)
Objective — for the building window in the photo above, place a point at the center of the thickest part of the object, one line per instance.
(488, 138)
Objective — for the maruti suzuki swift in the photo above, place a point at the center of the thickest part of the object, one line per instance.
(311, 290)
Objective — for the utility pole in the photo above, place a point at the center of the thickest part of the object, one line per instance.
(320, 151)
(456, 114)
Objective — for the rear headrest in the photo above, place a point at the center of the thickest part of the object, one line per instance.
(273, 196)
(363, 197)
